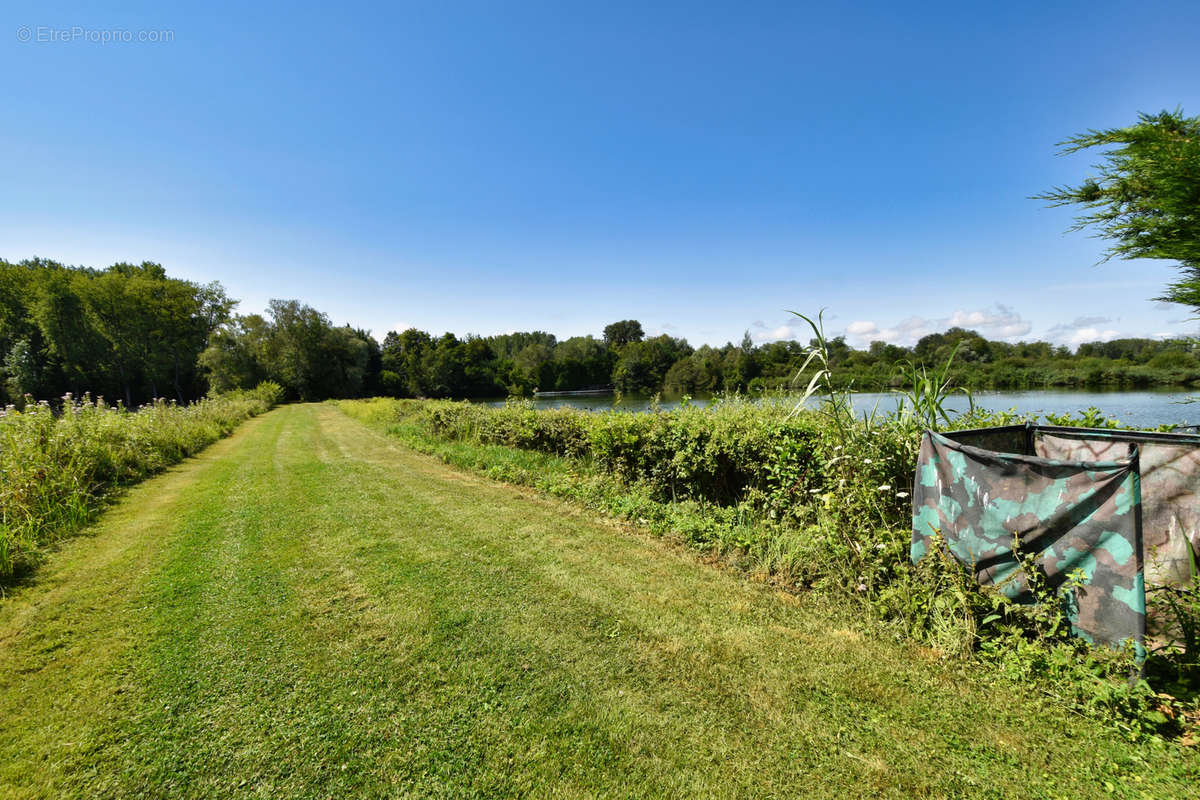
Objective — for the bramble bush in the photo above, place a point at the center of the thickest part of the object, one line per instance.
(788, 473)
(57, 468)
(711, 454)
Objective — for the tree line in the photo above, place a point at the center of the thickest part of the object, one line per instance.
(415, 364)
(132, 333)
(128, 332)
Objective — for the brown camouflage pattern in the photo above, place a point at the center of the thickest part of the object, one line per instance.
(1170, 477)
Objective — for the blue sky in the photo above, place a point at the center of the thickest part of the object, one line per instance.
(486, 167)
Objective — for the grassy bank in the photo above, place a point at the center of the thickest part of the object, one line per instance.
(804, 501)
(59, 468)
(310, 609)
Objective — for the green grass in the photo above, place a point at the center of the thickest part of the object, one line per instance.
(309, 609)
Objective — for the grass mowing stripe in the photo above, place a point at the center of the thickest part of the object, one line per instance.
(320, 612)
(243, 696)
(66, 637)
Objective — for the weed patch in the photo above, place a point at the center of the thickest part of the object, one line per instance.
(58, 469)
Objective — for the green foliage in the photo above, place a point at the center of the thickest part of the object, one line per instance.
(713, 454)
(133, 332)
(1091, 417)
(979, 363)
(642, 366)
(298, 348)
(21, 368)
(926, 392)
(129, 331)
(59, 468)
(1175, 648)
(619, 334)
(750, 464)
(836, 402)
(1145, 195)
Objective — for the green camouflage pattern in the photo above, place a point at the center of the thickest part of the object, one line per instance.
(1079, 518)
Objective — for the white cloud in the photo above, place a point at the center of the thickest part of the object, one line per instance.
(1092, 335)
(862, 328)
(909, 330)
(666, 328)
(1000, 322)
(775, 334)
(906, 331)
(861, 332)
(1064, 330)
(1084, 322)
(1082, 329)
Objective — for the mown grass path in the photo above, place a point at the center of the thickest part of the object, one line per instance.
(310, 610)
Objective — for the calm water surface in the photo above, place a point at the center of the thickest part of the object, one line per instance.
(1143, 409)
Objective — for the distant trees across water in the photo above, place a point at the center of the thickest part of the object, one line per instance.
(132, 333)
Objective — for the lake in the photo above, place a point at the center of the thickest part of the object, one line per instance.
(1143, 408)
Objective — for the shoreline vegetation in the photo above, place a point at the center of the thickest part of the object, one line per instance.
(812, 503)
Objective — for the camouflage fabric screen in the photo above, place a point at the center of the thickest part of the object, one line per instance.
(1075, 516)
